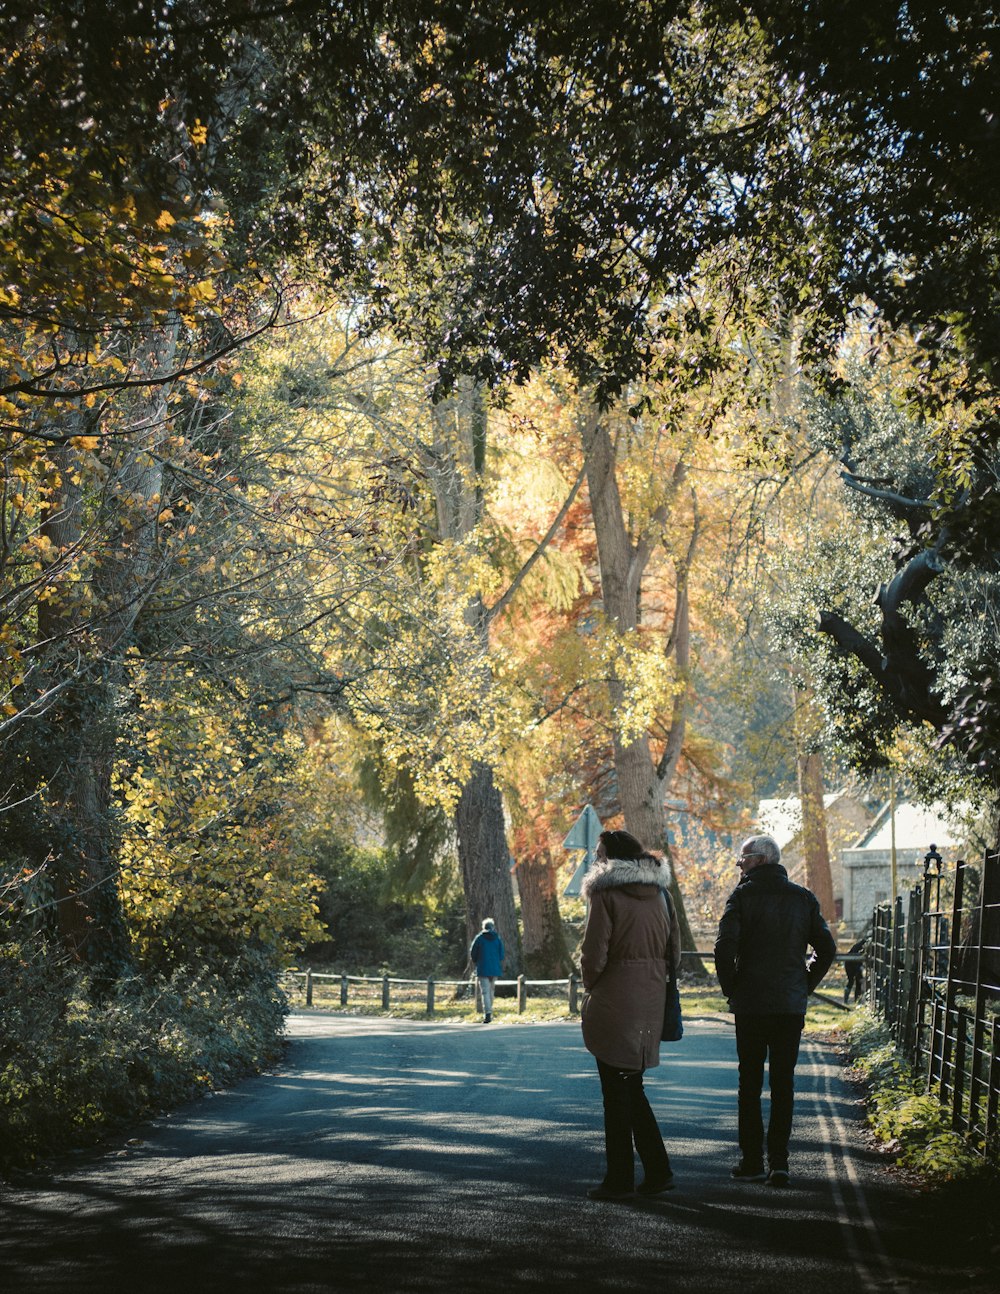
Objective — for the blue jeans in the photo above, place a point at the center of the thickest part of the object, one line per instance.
(774, 1039)
(628, 1118)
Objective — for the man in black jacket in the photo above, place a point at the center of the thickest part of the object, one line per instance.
(760, 957)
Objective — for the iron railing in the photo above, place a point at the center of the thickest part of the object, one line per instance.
(934, 977)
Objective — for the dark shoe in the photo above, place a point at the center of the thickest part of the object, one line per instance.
(777, 1177)
(650, 1189)
(744, 1172)
(603, 1192)
(488, 1019)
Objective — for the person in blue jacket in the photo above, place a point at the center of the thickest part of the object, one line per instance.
(487, 956)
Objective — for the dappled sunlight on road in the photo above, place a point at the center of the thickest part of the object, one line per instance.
(404, 1157)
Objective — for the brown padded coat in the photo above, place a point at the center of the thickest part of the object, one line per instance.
(632, 935)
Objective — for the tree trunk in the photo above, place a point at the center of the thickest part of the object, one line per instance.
(544, 942)
(815, 848)
(454, 465)
(83, 727)
(75, 837)
(809, 766)
(640, 789)
(485, 862)
(84, 841)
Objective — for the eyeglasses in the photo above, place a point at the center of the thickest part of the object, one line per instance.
(741, 857)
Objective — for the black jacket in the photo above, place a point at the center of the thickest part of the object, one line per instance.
(765, 932)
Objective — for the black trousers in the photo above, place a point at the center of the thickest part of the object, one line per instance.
(628, 1120)
(774, 1039)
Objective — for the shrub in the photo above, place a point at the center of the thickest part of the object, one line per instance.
(909, 1120)
(75, 1066)
(369, 928)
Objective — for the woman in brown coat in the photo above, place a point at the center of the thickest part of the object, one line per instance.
(630, 945)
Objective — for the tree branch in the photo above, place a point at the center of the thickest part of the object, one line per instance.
(909, 583)
(898, 670)
(900, 504)
(29, 386)
(852, 641)
(680, 644)
(502, 603)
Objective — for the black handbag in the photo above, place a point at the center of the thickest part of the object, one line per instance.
(673, 1024)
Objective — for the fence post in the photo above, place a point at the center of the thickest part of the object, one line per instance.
(951, 985)
(934, 1059)
(574, 1005)
(925, 971)
(880, 944)
(896, 965)
(522, 994)
(430, 996)
(993, 1095)
(343, 990)
(958, 1119)
(309, 988)
(989, 896)
(911, 965)
(385, 992)
(934, 931)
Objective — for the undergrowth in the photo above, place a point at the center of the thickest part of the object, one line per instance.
(75, 1064)
(908, 1120)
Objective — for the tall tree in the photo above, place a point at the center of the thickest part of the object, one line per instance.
(537, 515)
(642, 779)
(455, 463)
(893, 612)
(408, 628)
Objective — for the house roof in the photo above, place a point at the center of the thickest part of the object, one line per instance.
(918, 826)
(782, 818)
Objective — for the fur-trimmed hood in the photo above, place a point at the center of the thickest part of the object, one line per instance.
(615, 872)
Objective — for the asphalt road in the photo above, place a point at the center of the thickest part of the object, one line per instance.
(401, 1156)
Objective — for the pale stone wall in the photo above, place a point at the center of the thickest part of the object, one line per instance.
(868, 879)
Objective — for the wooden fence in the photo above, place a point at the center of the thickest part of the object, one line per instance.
(934, 976)
(366, 989)
(386, 991)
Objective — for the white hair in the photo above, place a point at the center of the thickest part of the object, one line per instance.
(766, 846)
